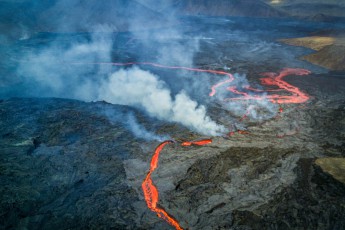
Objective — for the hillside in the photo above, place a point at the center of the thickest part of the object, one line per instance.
(330, 50)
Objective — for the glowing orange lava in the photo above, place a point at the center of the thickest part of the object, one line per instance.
(199, 143)
(150, 191)
(151, 194)
(274, 79)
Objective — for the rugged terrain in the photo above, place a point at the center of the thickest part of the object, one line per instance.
(68, 164)
(80, 164)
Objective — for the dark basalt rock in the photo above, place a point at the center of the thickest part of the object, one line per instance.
(314, 201)
(61, 167)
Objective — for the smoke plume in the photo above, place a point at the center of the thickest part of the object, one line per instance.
(143, 89)
(141, 132)
(71, 66)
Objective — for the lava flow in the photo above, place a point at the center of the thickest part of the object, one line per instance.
(199, 143)
(150, 191)
(274, 79)
(271, 79)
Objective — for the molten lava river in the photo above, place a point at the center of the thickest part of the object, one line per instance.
(275, 80)
(150, 190)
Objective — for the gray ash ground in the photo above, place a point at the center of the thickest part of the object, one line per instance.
(67, 164)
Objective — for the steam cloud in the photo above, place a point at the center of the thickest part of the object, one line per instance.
(55, 69)
(129, 120)
(141, 88)
(141, 132)
(134, 87)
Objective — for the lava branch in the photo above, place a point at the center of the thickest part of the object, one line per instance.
(198, 143)
(273, 79)
(150, 191)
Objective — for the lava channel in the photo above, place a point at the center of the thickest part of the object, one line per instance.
(150, 191)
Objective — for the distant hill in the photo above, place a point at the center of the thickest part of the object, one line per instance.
(320, 10)
(246, 8)
(330, 49)
(310, 9)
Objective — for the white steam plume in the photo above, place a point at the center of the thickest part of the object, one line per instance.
(141, 132)
(141, 88)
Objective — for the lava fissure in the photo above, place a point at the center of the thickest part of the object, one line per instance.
(150, 191)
